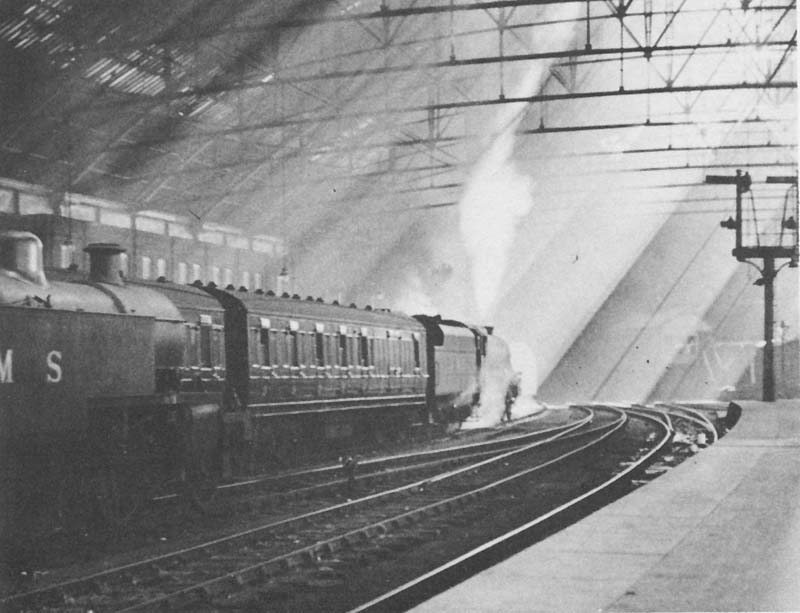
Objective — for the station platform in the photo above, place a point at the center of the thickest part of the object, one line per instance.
(720, 532)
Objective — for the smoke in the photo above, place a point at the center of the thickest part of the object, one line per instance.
(496, 374)
(523, 361)
(498, 194)
(496, 197)
(500, 366)
(413, 298)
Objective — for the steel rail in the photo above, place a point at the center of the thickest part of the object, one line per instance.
(400, 462)
(454, 571)
(695, 416)
(404, 457)
(641, 409)
(673, 411)
(217, 585)
(95, 578)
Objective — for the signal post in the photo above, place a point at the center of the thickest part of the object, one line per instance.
(769, 237)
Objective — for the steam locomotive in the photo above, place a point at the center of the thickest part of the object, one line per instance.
(111, 390)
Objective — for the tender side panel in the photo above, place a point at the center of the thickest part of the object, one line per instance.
(53, 360)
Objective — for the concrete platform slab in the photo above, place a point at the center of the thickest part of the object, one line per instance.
(721, 532)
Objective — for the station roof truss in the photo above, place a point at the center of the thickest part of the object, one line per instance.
(290, 116)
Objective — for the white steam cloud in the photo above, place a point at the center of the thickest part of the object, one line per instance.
(414, 299)
(523, 360)
(496, 374)
(499, 194)
(496, 197)
(501, 365)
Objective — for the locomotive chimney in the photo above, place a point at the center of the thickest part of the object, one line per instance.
(105, 262)
(489, 329)
(21, 255)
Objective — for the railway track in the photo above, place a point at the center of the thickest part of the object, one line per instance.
(215, 570)
(690, 429)
(234, 507)
(492, 551)
(699, 419)
(374, 472)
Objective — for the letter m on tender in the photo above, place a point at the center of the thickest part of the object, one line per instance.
(6, 362)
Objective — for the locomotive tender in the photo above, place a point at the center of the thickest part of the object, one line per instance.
(113, 389)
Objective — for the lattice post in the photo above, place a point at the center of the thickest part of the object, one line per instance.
(767, 235)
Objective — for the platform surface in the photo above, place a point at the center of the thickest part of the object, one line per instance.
(720, 532)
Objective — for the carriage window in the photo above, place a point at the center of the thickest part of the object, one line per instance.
(205, 345)
(380, 354)
(319, 349)
(342, 350)
(310, 356)
(303, 348)
(363, 351)
(286, 348)
(277, 356)
(254, 346)
(331, 350)
(190, 357)
(404, 361)
(264, 342)
(291, 346)
(352, 350)
(416, 351)
(394, 353)
(218, 356)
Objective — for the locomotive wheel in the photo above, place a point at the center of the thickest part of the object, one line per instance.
(116, 498)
